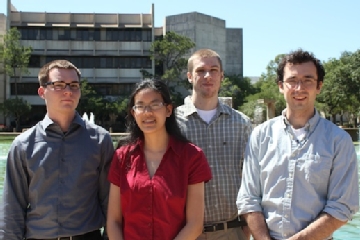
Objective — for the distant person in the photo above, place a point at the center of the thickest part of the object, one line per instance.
(300, 178)
(222, 133)
(56, 173)
(157, 176)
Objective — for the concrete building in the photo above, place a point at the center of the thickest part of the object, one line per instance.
(211, 32)
(109, 49)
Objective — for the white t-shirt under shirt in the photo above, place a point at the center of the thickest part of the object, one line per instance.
(206, 115)
(300, 133)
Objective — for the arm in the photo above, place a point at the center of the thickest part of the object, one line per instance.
(257, 225)
(107, 151)
(320, 229)
(114, 216)
(194, 212)
(15, 197)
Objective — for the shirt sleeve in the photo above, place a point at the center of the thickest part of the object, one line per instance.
(15, 196)
(106, 156)
(249, 196)
(114, 172)
(199, 167)
(343, 190)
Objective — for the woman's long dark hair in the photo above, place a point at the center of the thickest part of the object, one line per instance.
(135, 133)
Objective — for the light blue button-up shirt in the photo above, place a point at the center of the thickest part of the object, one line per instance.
(291, 182)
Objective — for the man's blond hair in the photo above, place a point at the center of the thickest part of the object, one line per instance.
(203, 53)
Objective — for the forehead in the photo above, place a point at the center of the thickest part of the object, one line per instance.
(63, 74)
(199, 62)
(147, 95)
(302, 69)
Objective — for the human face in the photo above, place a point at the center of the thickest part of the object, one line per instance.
(300, 87)
(150, 120)
(60, 101)
(206, 77)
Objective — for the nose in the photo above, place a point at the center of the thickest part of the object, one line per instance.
(67, 89)
(207, 74)
(299, 85)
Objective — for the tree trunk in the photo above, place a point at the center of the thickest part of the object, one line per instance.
(333, 116)
(15, 85)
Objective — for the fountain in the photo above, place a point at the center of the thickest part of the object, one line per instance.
(92, 117)
(85, 117)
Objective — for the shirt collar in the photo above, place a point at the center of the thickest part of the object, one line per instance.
(173, 145)
(309, 126)
(47, 121)
(190, 107)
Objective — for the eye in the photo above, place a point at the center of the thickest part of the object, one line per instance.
(74, 85)
(59, 84)
(200, 71)
(139, 107)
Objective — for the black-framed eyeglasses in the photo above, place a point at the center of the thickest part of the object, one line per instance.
(60, 85)
(151, 107)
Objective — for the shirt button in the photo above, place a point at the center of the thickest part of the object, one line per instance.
(63, 160)
(286, 215)
(288, 195)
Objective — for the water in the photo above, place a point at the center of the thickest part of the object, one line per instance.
(351, 231)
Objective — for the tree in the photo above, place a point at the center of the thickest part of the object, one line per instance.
(15, 107)
(16, 57)
(267, 87)
(238, 88)
(169, 56)
(169, 52)
(90, 100)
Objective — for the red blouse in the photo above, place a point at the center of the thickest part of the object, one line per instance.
(155, 208)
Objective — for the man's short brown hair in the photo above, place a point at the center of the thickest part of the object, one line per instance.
(43, 75)
(203, 53)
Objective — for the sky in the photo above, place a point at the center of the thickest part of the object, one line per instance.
(270, 27)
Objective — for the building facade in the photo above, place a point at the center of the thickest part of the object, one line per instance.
(109, 49)
(211, 32)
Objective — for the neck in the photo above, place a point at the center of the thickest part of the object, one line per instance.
(156, 142)
(204, 103)
(63, 120)
(299, 119)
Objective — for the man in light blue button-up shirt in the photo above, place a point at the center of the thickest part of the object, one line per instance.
(300, 177)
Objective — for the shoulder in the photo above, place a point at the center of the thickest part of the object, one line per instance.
(270, 126)
(97, 131)
(239, 116)
(332, 131)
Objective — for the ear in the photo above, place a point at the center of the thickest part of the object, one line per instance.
(222, 76)
(319, 87)
(41, 92)
(281, 86)
(189, 77)
(169, 109)
(132, 113)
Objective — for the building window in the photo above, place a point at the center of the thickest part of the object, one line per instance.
(25, 88)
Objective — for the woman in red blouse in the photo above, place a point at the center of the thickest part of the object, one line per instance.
(157, 176)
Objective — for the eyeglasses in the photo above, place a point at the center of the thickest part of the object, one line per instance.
(60, 85)
(152, 107)
(307, 83)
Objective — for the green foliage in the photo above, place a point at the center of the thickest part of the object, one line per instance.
(15, 107)
(16, 57)
(90, 100)
(238, 88)
(169, 54)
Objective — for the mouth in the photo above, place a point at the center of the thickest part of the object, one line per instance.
(149, 121)
(299, 98)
